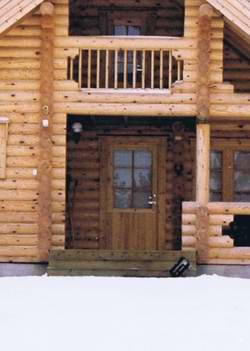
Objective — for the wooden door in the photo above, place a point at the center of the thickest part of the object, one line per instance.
(133, 193)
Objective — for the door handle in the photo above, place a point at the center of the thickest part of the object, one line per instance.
(152, 199)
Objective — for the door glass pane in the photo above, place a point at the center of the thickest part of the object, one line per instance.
(216, 175)
(123, 178)
(123, 158)
(242, 181)
(216, 160)
(242, 160)
(143, 159)
(215, 182)
(134, 30)
(122, 198)
(142, 179)
(242, 176)
(132, 178)
(141, 200)
(120, 30)
(241, 197)
(215, 197)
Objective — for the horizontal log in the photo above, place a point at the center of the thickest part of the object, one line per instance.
(184, 110)
(189, 219)
(230, 253)
(190, 230)
(213, 242)
(18, 240)
(189, 241)
(125, 96)
(17, 206)
(134, 43)
(232, 208)
(220, 219)
(18, 228)
(230, 111)
(15, 184)
(19, 195)
(18, 251)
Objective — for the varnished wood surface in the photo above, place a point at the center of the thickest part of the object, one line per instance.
(117, 263)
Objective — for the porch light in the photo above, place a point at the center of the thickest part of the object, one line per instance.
(179, 268)
(77, 130)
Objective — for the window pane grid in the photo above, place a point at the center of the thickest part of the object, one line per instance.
(132, 178)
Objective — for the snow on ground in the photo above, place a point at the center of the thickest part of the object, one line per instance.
(124, 314)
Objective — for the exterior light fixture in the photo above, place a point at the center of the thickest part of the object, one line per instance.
(179, 268)
(77, 130)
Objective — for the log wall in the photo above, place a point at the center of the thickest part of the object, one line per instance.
(236, 63)
(20, 102)
(221, 248)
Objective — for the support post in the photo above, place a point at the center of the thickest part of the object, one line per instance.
(203, 131)
(45, 144)
(202, 163)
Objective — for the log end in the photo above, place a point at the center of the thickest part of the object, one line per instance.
(47, 9)
(206, 10)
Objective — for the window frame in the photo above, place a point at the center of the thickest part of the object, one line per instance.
(228, 149)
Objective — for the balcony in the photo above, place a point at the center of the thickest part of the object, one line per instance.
(137, 63)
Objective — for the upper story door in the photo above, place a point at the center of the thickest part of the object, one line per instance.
(133, 193)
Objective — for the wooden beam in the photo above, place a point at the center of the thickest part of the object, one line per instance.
(203, 61)
(46, 111)
(202, 163)
(203, 130)
(202, 238)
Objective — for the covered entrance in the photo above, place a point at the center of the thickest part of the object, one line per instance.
(126, 180)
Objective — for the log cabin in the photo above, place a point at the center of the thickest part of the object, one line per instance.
(124, 134)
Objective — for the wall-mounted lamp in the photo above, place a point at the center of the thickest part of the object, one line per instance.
(77, 130)
(179, 268)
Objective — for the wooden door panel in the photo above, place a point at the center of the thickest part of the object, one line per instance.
(133, 231)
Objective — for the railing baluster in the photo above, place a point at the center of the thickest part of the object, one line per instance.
(170, 69)
(161, 69)
(134, 69)
(125, 69)
(89, 68)
(80, 69)
(71, 72)
(143, 69)
(152, 69)
(116, 70)
(98, 69)
(178, 70)
(107, 70)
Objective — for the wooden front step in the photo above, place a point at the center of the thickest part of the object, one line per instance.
(116, 263)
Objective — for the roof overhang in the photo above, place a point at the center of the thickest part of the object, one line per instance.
(236, 13)
(12, 11)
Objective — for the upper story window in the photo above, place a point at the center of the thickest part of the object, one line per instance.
(158, 18)
(128, 30)
(230, 173)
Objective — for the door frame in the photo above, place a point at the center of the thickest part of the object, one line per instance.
(160, 145)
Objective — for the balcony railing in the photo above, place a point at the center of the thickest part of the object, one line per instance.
(124, 62)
